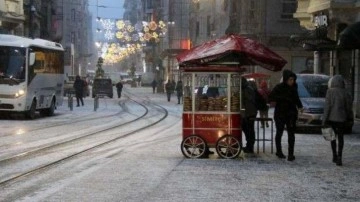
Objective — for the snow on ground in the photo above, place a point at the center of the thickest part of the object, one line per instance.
(149, 166)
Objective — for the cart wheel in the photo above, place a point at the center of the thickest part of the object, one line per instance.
(193, 147)
(228, 147)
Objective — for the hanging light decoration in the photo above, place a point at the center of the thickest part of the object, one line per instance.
(130, 38)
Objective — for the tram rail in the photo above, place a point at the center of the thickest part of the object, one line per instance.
(17, 158)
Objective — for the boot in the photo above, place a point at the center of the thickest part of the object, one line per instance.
(291, 156)
(335, 159)
(339, 161)
(333, 148)
(280, 154)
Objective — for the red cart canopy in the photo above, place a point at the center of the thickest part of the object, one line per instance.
(232, 50)
(256, 75)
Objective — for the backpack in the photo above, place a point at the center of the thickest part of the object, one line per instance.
(260, 102)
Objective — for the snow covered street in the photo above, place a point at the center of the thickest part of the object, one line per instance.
(148, 165)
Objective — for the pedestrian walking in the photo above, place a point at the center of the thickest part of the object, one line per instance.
(287, 105)
(248, 120)
(179, 90)
(79, 86)
(169, 87)
(264, 92)
(119, 87)
(337, 111)
(154, 85)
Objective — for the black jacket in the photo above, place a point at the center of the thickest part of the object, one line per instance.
(79, 85)
(286, 97)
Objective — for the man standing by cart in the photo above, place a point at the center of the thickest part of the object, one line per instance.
(248, 121)
(287, 105)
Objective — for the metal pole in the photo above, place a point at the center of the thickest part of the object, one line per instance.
(96, 103)
(31, 16)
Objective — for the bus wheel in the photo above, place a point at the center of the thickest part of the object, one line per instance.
(49, 111)
(31, 113)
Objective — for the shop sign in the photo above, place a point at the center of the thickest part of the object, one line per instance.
(321, 20)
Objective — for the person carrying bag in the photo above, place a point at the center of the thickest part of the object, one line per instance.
(337, 111)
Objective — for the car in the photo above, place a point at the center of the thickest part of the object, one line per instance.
(69, 86)
(312, 90)
(126, 78)
(102, 87)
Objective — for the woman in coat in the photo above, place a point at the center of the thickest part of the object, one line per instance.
(288, 104)
(338, 110)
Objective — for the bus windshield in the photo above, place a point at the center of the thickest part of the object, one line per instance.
(12, 65)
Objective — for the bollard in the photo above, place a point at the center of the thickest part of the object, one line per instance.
(70, 102)
(96, 103)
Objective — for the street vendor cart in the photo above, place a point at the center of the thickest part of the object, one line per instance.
(211, 115)
(212, 108)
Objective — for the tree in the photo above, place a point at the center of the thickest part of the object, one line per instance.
(132, 70)
(99, 71)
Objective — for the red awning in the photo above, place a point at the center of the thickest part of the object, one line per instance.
(232, 50)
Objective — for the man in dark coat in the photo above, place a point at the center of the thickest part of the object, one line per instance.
(119, 87)
(248, 121)
(169, 87)
(154, 85)
(287, 105)
(179, 90)
(79, 86)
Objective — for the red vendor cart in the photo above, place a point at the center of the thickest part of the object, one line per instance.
(211, 75)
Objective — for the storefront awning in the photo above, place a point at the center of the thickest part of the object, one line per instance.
(350, 37)
(314, 40)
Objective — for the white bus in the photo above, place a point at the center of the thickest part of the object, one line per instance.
(31, 75)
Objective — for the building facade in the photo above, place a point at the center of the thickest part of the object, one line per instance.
(72, 27)
(12, 17)
(270, 22)
(334, 16)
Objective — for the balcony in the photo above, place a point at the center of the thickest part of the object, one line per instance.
(12, 11)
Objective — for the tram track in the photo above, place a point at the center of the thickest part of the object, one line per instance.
(51, 145)
(78, 120)
(69, 135)
(13, 159)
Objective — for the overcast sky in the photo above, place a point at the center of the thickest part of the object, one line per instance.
(113, 9)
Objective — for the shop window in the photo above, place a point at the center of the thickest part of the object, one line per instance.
(288, 9)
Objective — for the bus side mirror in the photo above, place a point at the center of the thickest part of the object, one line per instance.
(32, 59)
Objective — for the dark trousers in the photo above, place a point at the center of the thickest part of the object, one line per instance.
(168, 96)
(248, 127)
(78, 99)
(154, 89)
(179, 98)
(119, 93)
(290, 123)
(338, 128)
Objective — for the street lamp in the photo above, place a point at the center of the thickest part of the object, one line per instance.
(32, 10)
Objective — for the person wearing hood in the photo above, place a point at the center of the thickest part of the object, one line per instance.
(248, 121)
(287, 105)
(338, 110)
